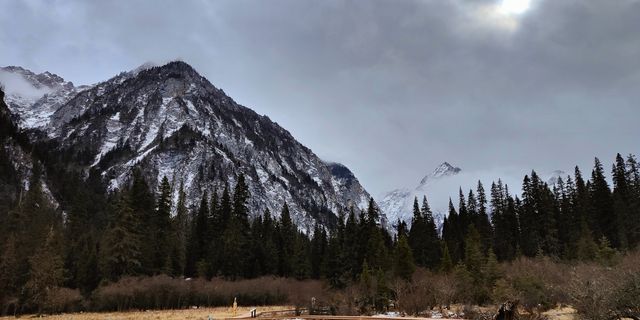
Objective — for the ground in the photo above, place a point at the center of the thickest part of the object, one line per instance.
(559, 313)
(201, 313)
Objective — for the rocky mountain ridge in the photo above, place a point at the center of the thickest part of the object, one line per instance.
(170, 121)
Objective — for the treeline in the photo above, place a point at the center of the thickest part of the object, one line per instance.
(97, 238)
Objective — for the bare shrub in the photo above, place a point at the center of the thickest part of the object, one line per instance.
(599, 292)
(163, 292)
(538, 283)
(63, 300)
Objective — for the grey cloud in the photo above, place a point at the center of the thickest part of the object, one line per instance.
(390, 88)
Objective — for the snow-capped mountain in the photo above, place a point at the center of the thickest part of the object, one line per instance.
(33, 98)
(170, 121)
(398, 204)
(555, 175)
(17, 167)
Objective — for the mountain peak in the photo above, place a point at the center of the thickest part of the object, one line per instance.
(177, 66)
(443, 170)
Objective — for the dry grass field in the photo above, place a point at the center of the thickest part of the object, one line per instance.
(559, 313)
(201, 313)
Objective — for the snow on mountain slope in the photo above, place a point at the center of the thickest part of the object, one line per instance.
(398, 204)
(554, 176)
(170, 121)
(15, 177)
(33, 98)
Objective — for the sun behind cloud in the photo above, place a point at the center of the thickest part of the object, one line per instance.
(514, 7)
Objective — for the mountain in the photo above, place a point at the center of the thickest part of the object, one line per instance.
(398, 204)
(554, 176)
(170, 121)
(34, 98)
(16, 162)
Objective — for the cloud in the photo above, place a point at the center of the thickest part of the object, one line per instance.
(17, 85)
(389, 88)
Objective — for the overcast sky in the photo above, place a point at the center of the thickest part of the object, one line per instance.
(389, 88)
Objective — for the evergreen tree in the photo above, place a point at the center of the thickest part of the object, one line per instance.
(318, 247)
(268, 241)
(403, 263)
(121, 244)
(376, 252)
(432, 241)
(482, 223)
(9, 285)
(143, 206)
(217, 226)
(236, 237)
(446, 264)
(418, 234)
(240, 198)
(603, 205)
(622, 199)
(46, 271)
(334, 266)
(180, 226)
(226, 207)
(198, 241)
(301, 263)
(164, 234)
(633, 181)
(451, 234)
(351, 247)
(286, 242)
(586, 248)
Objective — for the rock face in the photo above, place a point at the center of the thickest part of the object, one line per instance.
(33, 98)
(170, 121)
(398, 204)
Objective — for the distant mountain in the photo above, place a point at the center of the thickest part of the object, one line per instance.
(554, 176)
(398, 204)
(170, 121)
(16, 162)
(34, 98)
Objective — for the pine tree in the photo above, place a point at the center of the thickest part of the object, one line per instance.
(226, 207)
(482, 223)
(164, 234)
(143, 206)
(465, 218)
(603, 205)
(334, 266)
(473, 257)
(301, 263)
(8, 268)
(505, 222)
(586, 248)
(46, 271)
(451, 234)
(622, 199)
(403, 262)
(418, 234)
(235, 245)
(376, 252)
(240, 198)
(318, 247)
(181, 226)
(268, 234)
(350, 246)
(198, 240)
(31, 222)
(446, 264)
(286, 242)
(633, 180)
(432, 241)
(217, 226)
(121, 244)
